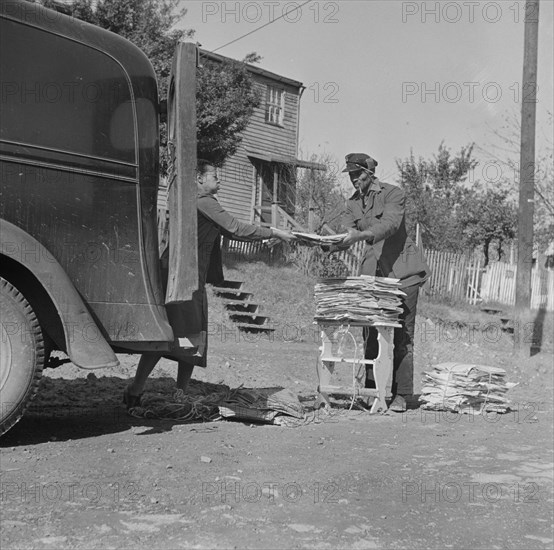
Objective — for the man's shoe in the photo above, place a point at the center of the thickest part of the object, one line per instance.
(398, 404)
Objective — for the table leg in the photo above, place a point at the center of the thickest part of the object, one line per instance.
(382, 368)
(325, 369)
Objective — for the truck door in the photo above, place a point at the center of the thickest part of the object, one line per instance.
(182, 246)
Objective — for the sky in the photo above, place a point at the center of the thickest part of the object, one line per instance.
(390, 77)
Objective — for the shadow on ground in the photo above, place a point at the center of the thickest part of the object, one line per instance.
(66, 409)
(72, 409)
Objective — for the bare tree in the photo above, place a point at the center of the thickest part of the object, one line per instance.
(505, 155)
(319, 198)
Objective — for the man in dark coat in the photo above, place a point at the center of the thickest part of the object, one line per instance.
(376, 214)
(191, 318)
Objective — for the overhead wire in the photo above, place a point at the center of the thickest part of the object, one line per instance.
(262, 26)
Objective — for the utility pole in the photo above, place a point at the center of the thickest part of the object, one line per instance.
(526, 170)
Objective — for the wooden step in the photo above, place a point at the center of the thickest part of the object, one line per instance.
(231, 284)
(228, 292)
(231, 302)
(247, 327)
(507, 325)
(246, 307)
(240, 308)
(250, 318)
(491, 310)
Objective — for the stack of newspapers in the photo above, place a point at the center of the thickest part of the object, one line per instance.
(465, 388)
(364, 299)
(312, 238)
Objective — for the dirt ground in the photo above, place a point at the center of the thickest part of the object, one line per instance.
(78, 472)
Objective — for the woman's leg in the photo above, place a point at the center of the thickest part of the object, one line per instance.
(184, 373)
(146, 365)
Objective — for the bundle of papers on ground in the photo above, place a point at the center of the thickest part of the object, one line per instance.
(363, 299)
(465, 388)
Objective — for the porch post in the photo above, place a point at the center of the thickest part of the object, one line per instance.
(311, 208)
(275, 202)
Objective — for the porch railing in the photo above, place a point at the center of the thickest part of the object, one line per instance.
(279, 218)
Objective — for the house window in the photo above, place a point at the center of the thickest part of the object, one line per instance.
(275, 106)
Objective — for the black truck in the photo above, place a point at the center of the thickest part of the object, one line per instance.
(79, 176)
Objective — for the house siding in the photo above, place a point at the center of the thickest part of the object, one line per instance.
(238, 193)
(237, 177)
(238, 173)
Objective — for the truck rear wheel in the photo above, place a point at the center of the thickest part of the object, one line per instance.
(22, 355)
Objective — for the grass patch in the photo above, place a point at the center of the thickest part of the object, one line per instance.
(455, 332)
(284, 294)
(536, 326)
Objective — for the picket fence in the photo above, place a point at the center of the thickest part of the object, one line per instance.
(251, 251)
(352, 257)
(302, 256)
(454, 276)
(460, 277)
(499, 285)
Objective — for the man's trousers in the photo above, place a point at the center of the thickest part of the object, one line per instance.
(403, 365)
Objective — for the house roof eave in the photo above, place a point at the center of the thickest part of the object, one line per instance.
(268, 156)
(253, 69)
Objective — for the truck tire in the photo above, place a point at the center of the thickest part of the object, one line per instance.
(22, 355)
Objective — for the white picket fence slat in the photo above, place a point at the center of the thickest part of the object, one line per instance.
(453, 276)
(499, 285)
(456, 276)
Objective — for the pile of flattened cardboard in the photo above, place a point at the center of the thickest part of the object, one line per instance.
(311, 239)
(359, 299)
(465, 388)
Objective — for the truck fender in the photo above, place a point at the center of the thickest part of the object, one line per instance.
(86, 346)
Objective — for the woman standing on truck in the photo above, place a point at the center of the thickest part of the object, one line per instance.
(192, 317)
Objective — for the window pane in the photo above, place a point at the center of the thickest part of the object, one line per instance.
(275, 105)
(67, 104)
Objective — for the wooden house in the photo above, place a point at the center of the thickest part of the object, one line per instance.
(259, 181)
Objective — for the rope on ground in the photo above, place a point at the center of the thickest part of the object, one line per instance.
(204, 402)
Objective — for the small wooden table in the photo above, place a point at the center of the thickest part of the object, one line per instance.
(335, 350)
